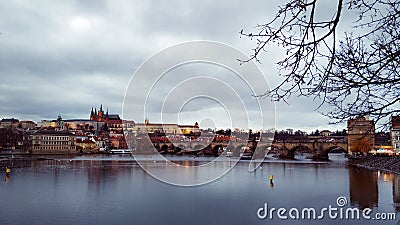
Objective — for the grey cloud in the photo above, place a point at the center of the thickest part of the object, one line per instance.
(68, 56)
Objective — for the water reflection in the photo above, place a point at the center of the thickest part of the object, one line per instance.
(6, 178)
(396, 192)
(118, 191)
(394, 180)
(363, 188)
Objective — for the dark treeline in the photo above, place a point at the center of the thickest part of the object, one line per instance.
(10, 138)
(304, 136)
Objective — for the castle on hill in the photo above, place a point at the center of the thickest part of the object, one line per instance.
(100, 116)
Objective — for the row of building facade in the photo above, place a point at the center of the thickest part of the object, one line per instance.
(107, 131)
(361, 136)
(101, 131)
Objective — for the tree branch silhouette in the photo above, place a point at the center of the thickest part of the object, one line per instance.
(354, 75)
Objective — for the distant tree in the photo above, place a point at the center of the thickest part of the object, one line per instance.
(9, 137)
(337, 133)
(356, 75)
(67, 126)
(382, 138)
(220, 132)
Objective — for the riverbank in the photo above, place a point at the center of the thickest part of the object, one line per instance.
(390, 164)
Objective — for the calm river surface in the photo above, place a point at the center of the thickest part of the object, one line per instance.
(116, 190)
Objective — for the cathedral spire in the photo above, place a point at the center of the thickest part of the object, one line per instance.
(92, 114)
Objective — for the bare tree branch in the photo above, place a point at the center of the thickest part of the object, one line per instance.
(354, 75)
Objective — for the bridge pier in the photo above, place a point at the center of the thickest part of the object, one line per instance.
(320, 155)
(286, 154)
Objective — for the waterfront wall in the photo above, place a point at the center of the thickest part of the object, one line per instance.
(389, 164)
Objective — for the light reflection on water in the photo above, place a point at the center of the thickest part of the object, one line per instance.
(115, 190)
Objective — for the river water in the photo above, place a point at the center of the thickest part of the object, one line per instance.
(116, 190)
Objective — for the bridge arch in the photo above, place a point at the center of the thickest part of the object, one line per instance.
(198, 147)
(216, 149)
(264, 148)
(239, 148)
(301, 148)
(336, 149)
(164, 149)
(180, 147)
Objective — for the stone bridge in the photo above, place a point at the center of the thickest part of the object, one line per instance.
(319, 150)
(200, 148)
(287, 150)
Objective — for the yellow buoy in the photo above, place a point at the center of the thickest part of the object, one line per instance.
(8, 170)
(271, 181)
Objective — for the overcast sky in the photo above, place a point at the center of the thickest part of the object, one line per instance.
(65, 57)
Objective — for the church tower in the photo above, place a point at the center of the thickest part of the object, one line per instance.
(100, 116)
(92, 115)
(60, 124)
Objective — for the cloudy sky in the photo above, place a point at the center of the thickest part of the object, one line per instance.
(65, 57)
